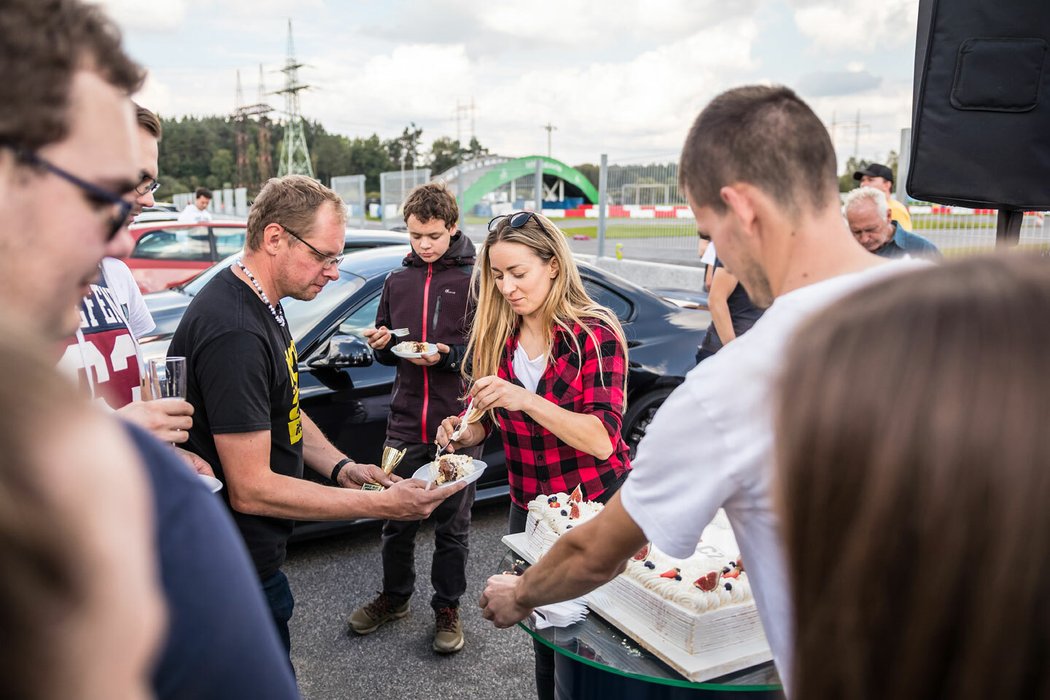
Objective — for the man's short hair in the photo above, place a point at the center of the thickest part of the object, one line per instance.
(43, 43)
(202, 192)
(432, 201)
(867, 194)
(292, 201)
(148, 121)
(763, 135)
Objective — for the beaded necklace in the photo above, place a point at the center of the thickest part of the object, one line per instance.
(278, 313)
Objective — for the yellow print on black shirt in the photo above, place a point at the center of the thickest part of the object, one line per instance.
(295, 423)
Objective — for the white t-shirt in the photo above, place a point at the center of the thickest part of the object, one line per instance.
(708, 258)
(710, 446)
(104, 356)
(528, 371)
(122, 282)
(192, 215)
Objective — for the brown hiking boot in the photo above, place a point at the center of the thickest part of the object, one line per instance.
(448, 632)
(369, 618)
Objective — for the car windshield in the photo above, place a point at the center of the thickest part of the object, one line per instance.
(301, 315)
(197, 283)
(304, 315)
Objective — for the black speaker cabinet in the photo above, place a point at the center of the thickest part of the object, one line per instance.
(981, 123)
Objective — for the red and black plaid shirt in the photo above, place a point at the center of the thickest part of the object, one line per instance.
(537, 461)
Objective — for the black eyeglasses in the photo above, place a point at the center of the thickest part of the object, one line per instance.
(148, 185)
(327, 260)
(516, 220)
(93, 193)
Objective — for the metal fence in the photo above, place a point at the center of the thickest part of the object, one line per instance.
(351, 188)
(394, 188)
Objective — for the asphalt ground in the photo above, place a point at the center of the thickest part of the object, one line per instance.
(333, 576)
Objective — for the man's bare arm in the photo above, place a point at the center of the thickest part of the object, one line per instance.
(583, 559)
(256, 489)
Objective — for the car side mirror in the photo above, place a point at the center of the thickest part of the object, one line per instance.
(343, 351)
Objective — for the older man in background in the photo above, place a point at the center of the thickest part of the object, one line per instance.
(872, 224)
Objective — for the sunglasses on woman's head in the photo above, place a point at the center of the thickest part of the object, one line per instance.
(516, 220)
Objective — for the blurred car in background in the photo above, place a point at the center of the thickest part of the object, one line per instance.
(348, 394)
(168, 253)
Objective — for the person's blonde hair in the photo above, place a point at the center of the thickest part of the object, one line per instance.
(567, 304)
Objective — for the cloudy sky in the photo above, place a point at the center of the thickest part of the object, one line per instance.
(613, 76)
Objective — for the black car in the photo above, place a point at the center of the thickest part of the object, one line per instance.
(348, 395)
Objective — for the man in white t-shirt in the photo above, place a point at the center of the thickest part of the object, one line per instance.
(104, 355)
(196, 212)
(711, 444)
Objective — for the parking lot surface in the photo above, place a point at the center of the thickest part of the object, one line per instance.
(331, 577)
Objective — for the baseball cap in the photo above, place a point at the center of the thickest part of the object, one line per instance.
(874, 170)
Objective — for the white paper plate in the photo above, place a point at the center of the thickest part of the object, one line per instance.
(431, 349)
(424, 473)
(213, 484)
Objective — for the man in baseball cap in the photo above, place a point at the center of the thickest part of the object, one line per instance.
(880, 177)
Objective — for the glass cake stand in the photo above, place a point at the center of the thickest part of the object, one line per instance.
(596, 661)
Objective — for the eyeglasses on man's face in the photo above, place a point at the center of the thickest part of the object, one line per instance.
(327, 260)
(148, 185)
(120, 208)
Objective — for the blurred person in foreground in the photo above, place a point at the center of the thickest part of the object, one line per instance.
(430, 296)
(81, 610)
(243, 381)
(710, 445)
(548, 368)
(69, 166)
(915, 510)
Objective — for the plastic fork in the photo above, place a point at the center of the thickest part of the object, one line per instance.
(463, 423)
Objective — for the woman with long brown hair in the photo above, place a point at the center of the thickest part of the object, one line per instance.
(913, 446)
(548, 367)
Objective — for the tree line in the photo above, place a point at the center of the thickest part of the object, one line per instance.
(202, 152)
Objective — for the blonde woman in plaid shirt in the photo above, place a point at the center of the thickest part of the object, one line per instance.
(548, 367)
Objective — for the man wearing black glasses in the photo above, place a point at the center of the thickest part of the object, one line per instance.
(243, 381)
(70, 171)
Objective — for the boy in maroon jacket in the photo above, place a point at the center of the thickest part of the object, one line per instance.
(430, 296)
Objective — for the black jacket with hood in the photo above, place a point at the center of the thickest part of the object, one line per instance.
(431, 300)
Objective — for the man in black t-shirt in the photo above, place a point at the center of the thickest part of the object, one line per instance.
(243, 382)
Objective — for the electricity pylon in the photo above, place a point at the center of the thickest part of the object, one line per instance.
(295, 157)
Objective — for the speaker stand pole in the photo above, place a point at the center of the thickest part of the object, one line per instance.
(1008, 228)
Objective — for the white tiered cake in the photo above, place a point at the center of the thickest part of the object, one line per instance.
(700, 605)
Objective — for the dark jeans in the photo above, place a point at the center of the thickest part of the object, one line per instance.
(448, 570)
(545, 656)
(279, 598)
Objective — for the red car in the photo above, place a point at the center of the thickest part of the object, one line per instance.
(168, 253)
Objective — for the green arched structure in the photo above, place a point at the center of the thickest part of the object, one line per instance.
(502, 173)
